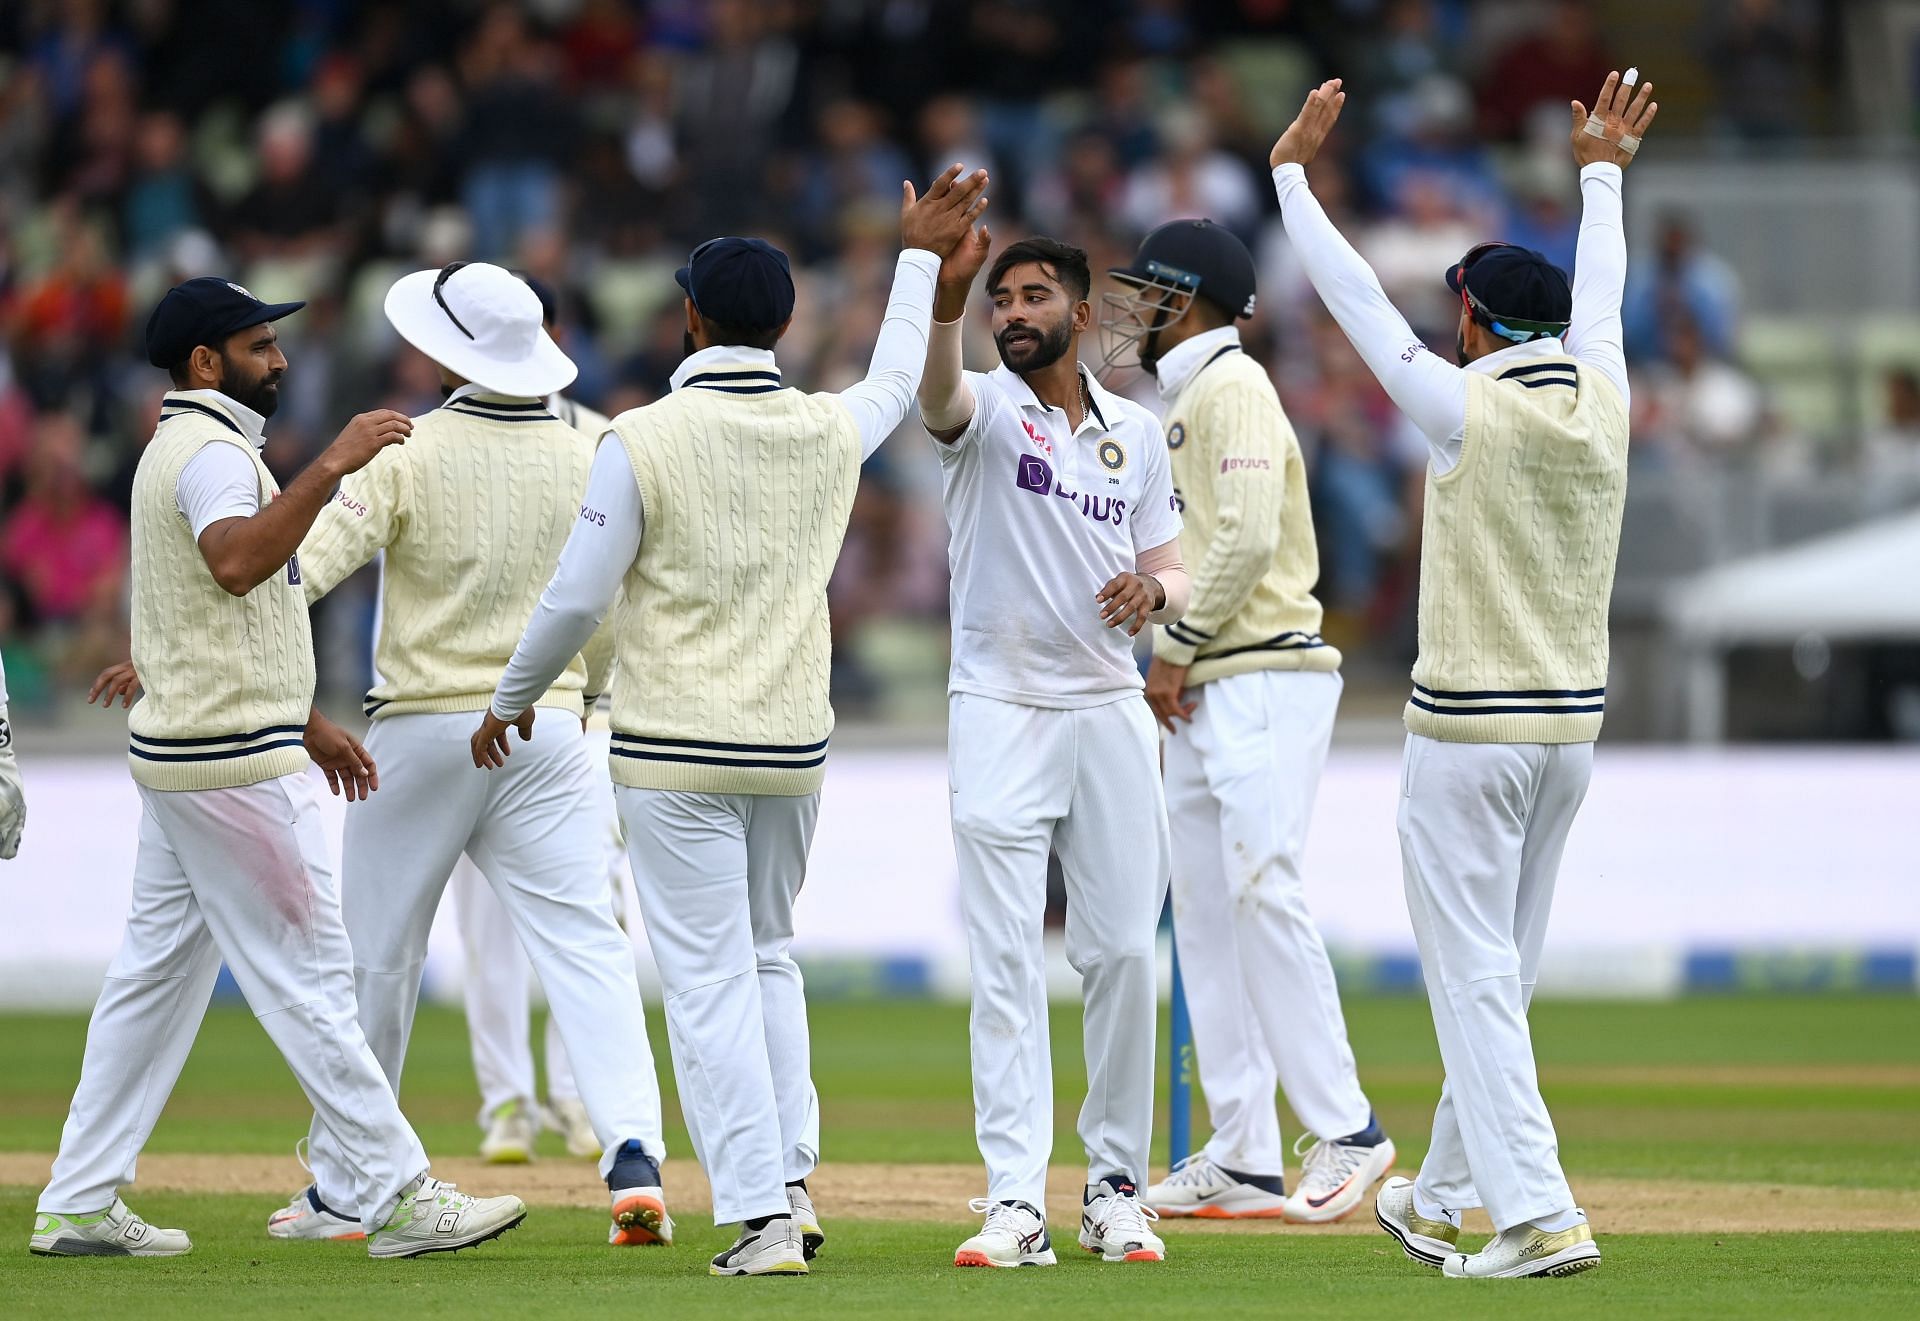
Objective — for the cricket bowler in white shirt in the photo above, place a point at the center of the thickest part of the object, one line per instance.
(1247, 689)
(1525, 490)
(1065, 542)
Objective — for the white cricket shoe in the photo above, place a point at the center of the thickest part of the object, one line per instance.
(812, 1237)
(511, 1130)
(568, 1117)
(1334, 1178)
(114, 1232)
(437, 1217)
(1524, 1251)
(773, 1249)
(306, 1217)
(1429, 1242)
(1113, 1223)
(1014, 1235)
(1197, 1187)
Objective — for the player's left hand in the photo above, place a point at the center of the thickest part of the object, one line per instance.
(490, 740)
(1129, 599)
(1304, 137)
(1166, 688)
(116, 681)
(348, 768)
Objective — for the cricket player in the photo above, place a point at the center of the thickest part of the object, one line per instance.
(471, 515)
(1528, 471)
(13, 802)
(233, 862)
(1065, 542)
(1246, 689)
(496, 986)
(721, 509)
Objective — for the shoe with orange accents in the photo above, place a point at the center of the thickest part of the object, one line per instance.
(1114, 1224)
(1015, 1235)
(1335, 1174)
(1199, 1188)
(640, 1216)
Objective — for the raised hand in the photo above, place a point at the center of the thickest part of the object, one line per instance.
(1621, 125)
(1304, 137)
(364, 437)
(943, 218)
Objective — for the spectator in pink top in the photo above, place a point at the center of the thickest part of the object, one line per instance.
(63, 547)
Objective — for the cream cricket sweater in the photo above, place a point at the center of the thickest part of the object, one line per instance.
(1517, 560)
(1242, 485)
(228, 679)
(722, 643)
(471, 511)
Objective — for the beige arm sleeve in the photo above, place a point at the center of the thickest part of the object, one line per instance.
(1164, 565)
(945, 400)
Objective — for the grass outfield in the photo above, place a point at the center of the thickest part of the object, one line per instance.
(1823, 1093)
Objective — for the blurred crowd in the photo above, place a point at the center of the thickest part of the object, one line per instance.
(317, 149)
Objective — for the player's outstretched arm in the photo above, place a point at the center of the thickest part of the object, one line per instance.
(242, 553)
(1604, 143)
(592, 564)
(1431, 392)
(930, 228)
(946, 401)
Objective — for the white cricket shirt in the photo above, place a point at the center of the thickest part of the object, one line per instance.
(1042, 518)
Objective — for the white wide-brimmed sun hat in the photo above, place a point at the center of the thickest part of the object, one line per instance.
(481, 322)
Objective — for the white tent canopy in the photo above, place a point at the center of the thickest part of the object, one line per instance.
(1856, 585)
(1862, 583)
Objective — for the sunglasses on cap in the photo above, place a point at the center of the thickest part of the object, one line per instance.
(446, 273)
(1517, 329)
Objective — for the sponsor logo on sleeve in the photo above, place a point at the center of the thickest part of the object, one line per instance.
(1246, 465)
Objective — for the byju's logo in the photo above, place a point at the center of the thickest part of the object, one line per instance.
(1034, 475)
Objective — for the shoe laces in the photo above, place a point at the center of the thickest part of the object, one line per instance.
(1325, 1164)
(1195, 1171)
(1000, 1215)
(1128, 1214)
(300, 1152)
(441, 1193)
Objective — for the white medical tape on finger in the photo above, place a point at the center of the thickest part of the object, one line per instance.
(1629, 143)
(1596, 127)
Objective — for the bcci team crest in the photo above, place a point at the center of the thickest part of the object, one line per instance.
(1112, 457)
(1176, 435)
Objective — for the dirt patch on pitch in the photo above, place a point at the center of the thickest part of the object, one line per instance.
(940, 1193)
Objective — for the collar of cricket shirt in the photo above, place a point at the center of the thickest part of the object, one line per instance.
(1100, 403)
(1181, 363)
(1492, 364)
(250, 424)
(729, 369)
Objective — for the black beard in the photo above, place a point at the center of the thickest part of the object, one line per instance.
(262, 395)
(1150, 353)
(1050, 348)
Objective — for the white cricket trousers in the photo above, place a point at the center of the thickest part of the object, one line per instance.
(1241, 779)
(717, 875)
(499, 978)
(243, 874)
(1482, 829)
(534, 829)
(496, 990)
(1085, 784)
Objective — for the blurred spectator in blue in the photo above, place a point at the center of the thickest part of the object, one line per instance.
(1018, 54)
(1083, 194)
(1760, 52)
(165, 195)
(854, 167)
(66, 54)
(1543, 217)
(518, 134)
(1431, 133)
(729, 100)
(1427, 231)
(1532, 72)
(1124, 112)
(340, 154)
(1394, 62)
(950, 134)
(1683, 279)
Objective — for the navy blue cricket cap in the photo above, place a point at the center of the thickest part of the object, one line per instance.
(204, 311)
(740, 282)
(1515, 289)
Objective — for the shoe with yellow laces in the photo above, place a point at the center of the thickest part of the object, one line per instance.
(437, 1217)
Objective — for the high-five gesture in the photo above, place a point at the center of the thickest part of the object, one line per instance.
(1303, 138)
(940, 220)
(1612, 132)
